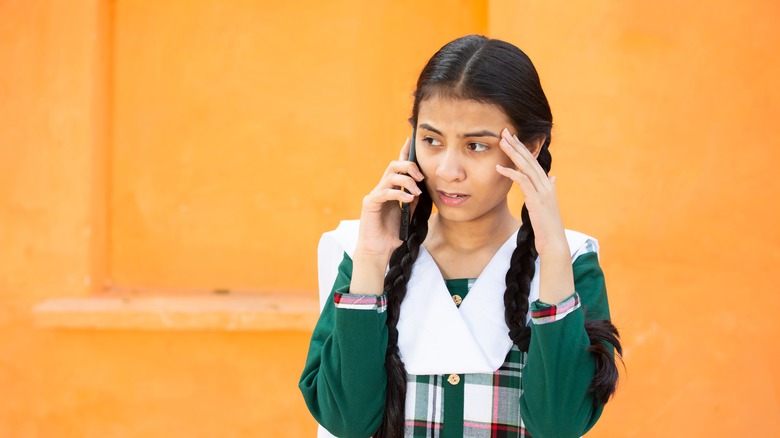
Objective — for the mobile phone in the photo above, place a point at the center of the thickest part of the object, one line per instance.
(406, 207)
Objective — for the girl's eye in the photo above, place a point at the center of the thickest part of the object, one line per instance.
(478, 147)
(432, 141)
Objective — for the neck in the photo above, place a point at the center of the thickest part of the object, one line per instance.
(469, 236)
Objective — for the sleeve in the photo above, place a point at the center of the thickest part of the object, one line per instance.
(559, 369)
(344, 380)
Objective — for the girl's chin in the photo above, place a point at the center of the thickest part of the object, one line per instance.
(454, 215)
(467, 213)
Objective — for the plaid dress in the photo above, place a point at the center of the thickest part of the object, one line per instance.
(431, 398)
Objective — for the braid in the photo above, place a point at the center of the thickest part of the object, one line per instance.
(521, 270)
(518, 284)
(400, 269)
(601, 333)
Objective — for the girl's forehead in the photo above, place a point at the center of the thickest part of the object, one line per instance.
(446, 113)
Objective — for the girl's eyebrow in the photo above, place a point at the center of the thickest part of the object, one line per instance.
(483, 133)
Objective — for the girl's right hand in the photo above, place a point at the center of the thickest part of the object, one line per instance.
(380, 219)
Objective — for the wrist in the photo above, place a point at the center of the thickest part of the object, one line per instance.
(368, 274)
(371, 256)
(555, 251)
(553, 243)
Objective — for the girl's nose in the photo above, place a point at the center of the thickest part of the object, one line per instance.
(450, 167)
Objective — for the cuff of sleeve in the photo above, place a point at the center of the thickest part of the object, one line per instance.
(542, 313)
(342, 299)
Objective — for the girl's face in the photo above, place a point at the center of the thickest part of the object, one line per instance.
(457, 150)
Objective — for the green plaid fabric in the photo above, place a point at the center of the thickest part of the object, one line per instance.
(495, 414)
(493, 410)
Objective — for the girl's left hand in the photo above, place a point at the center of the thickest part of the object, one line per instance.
(540, 198)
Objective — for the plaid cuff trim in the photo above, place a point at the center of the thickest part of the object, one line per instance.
(542, 313)
(360, 302)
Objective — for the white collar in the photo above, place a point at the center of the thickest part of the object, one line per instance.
(435, 336)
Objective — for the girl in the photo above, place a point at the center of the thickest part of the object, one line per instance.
(480, 324)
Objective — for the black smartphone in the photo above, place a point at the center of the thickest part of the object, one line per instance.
(406, 207)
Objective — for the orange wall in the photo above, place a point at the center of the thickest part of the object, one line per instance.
(201, 137)
(665, 149)
(49, 135)
(189, 145)
(237, 126)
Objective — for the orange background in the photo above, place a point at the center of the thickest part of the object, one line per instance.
(184, 146)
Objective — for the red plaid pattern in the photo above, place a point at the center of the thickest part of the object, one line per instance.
(544, 313)
(491, 403)
(360, 302)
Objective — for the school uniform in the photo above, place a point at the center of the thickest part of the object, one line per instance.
(465, 376)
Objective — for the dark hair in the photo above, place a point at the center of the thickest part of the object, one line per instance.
(495, 72)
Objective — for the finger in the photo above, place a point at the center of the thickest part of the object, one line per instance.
(523, 152)
(533, 169)
(396, 195)
(529, 190)
(405, 150)
(404, 167)
(517, 145)
(542, 174)
(404, 181)
(514, 148)
(414, 171)
(543, 177)
(523, 166)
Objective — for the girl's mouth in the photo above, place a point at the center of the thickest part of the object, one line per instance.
(452, 199)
